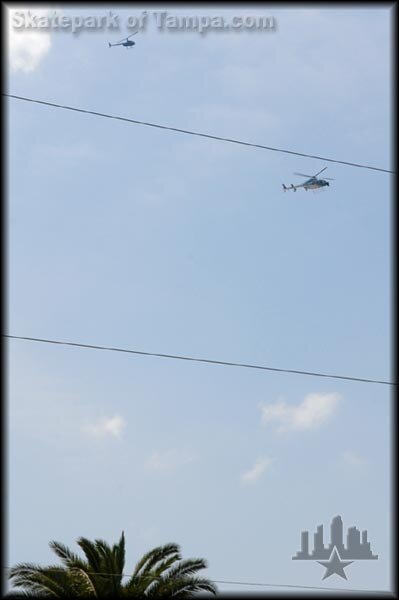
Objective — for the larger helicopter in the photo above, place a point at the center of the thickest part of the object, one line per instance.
(128, 43)
(312, 182)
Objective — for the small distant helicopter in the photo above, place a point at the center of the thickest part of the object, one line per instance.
(124, 42)
(312, 183)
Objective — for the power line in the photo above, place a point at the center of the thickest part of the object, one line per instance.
(196, 133)
(305, 587)
(194, 359)
(248, 583)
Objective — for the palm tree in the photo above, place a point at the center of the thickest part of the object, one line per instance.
(161, 573)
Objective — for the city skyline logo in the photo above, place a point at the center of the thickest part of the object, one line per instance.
(336, 556)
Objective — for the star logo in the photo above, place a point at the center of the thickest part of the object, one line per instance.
(336, 555)
(334, 565)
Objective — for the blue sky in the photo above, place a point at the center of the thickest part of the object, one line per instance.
(128, 236)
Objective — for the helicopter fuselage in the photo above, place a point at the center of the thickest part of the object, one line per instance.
(127, 44)
(310, 184)
(314, 184)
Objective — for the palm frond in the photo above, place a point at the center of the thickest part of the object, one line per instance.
(119, 554)
(112, 583)
(90, 550)
(98, 566)
(186, 567)
(185, 587)
(51, 581)
(139, 586)
(102, 547)
(84, 581)
(158, 554)
(163, 566)
(76, 565)
(157, 576)
(67, 557)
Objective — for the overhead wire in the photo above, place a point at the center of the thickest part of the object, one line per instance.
(247, 583)
(200, 360)
(194, 133)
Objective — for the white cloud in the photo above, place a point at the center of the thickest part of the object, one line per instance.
(169, 460)
(112, 426)
(26, 47)
(254, 474)
(312, 412)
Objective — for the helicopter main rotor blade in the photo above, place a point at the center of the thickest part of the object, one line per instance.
(125, 38)
(303, 175)
(320, 172)
(329, 178)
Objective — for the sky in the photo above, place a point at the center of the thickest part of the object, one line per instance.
(129, 236)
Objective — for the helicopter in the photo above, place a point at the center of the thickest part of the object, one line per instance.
(312, 182)
(124, 42)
